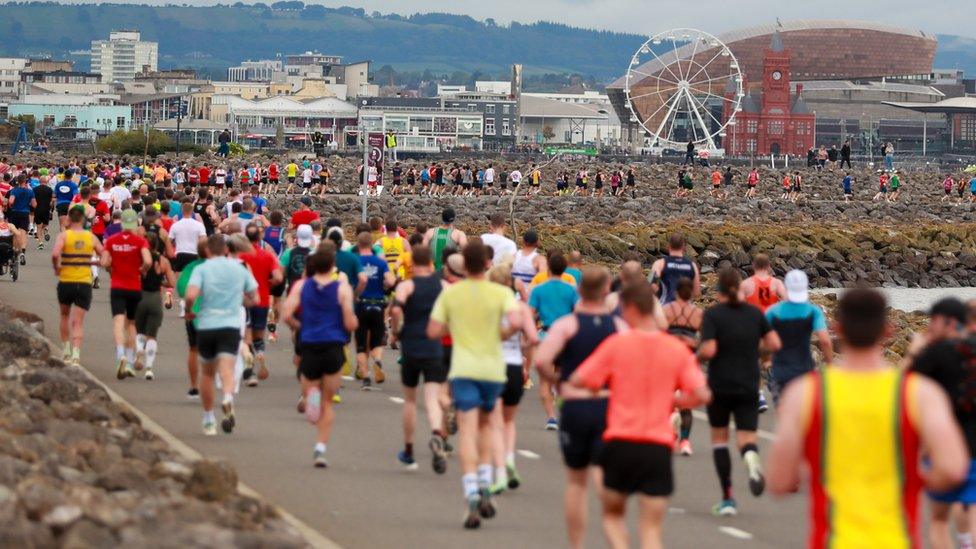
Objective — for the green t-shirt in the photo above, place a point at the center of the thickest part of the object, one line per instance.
(475, 331)
(184, 281)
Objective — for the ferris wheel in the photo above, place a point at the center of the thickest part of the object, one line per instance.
(684, 85)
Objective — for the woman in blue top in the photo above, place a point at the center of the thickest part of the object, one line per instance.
(323, 329)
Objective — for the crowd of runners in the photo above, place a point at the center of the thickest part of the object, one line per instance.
(619, 360)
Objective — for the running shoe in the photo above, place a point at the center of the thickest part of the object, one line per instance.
(313, 406)
(47, 237)
(472, 520)
(439, 461)
(318, 460)
(251, 381)
(448, 447)
(358, 374)
(301, 405)
(40, 245)
(140, 359)
(514, 480)
(263, 372)
(725, 508)
(149, 375)
(193, 394)
(552, 424)
(450, 417)
(228, 423)
(407, 461)
(378, 374)
(367, 384)
(498, 487)
(66, 353)
(95, 283)
(684, 447)
(757, 482)
(23, 258)
(120, 370)
(209, 428)
(336, 399)
(762, 402)
(168, 301)
(485, 507)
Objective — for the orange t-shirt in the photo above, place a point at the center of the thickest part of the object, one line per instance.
(786, 182)
(643, 370)
(543, 276)
(716, 178)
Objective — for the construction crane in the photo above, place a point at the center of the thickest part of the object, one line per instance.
(21, 141)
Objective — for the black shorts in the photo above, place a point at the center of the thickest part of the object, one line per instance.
(372, 328)
(78, 294)
(744, 408)
(182, 260)
(321, 359)
(125, 302)
(433, 370)
(21, 220)
(514, 386)
(62, 208)
(291, 180)
(42, 216)
(222, 341)
(191, 334)
(278, 290)
(257, 318)
(581, 426)
(630, 467)
(306, 184)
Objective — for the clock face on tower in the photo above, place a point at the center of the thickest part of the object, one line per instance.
(777, 75)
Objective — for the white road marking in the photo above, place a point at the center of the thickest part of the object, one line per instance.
(734, 532)
(528, 454)
(397, 400)
(348, 378)
(676, 510)
(762, 434)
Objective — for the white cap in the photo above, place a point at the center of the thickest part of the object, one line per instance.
(303, 236)
(99, 181)
(797, 286)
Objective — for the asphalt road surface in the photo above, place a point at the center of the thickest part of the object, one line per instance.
(365, 499)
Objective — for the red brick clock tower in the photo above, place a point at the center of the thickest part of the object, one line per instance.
(772, 121)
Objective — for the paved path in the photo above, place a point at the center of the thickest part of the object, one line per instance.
(364, 499)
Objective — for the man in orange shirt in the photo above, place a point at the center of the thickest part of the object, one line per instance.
(643, 368)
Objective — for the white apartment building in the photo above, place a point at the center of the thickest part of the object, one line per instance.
(11, 69)
(123, 55)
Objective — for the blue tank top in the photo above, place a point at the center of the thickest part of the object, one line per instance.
(675, 268)
(591, 331)
(272, 235)
(321, 314)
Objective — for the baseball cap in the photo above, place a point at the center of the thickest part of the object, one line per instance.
(305, 200)
(448, 215)
(303, 236)
(797, 286)
(130, 220)
(949, 307)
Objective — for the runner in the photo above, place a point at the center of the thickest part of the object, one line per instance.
(64, 191)
(732, 332)
(551, 301)
(223, 286)
(684, 322)
(848, 187)
(192, 357)
(528, 261)
(186, 235)
(291, 172)
(72, 258)
(503, 248)
(644, 367)
(396, 249)
(127, 257)
(323, 329)
(570, 341)
(20, 202)
(304, 215)
(762, 290)
(796, 321)
(149, 312)
(413, 301)
(370, 306)
(267, 273)
(751, 182)
(477, 373)
(444, 237)
(860, 425)
(667, 271)
(44, 197)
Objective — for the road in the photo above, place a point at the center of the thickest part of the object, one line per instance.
(364, 499)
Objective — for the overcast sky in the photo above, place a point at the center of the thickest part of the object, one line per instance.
(651, 16)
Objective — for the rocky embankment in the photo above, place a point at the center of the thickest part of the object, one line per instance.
(78, 470)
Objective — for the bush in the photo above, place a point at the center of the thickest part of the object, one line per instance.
(134, 143)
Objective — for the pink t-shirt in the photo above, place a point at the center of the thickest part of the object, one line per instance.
(643, 370)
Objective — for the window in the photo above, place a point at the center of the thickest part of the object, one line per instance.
(774, 127)
(120, 122)
(967, 128)
(70, 121)
(48, 120)
(752, 126)
(506, 130)
(505, 109)
(750, 145)
(490, 109)
(490, 126)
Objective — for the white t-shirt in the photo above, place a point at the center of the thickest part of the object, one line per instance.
(307, 175)
(119, 195)
(503, 246)
(108, 198)
(515, 176)
(185, 234)
(490, 175)
(220, 176)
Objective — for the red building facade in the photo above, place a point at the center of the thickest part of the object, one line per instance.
(772, 120)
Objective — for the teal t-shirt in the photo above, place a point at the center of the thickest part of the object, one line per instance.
(552, 300)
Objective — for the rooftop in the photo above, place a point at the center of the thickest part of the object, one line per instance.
(953, 105)
(540, 107)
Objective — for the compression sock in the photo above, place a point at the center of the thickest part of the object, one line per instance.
(484, 475)
(469, 481)
(130, 356)
(119, 352)
(151, 347)
(320, 447)
(750, 455)
(723, 467)
(686, 420)
(140, 342)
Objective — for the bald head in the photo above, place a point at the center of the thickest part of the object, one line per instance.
(631, 273)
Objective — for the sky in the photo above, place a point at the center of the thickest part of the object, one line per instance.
(648, 17)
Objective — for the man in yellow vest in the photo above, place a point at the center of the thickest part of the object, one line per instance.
(391, 145)
(72, 261)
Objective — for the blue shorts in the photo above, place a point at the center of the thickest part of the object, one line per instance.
(964, 493)
(257, 318)
(469, 394)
